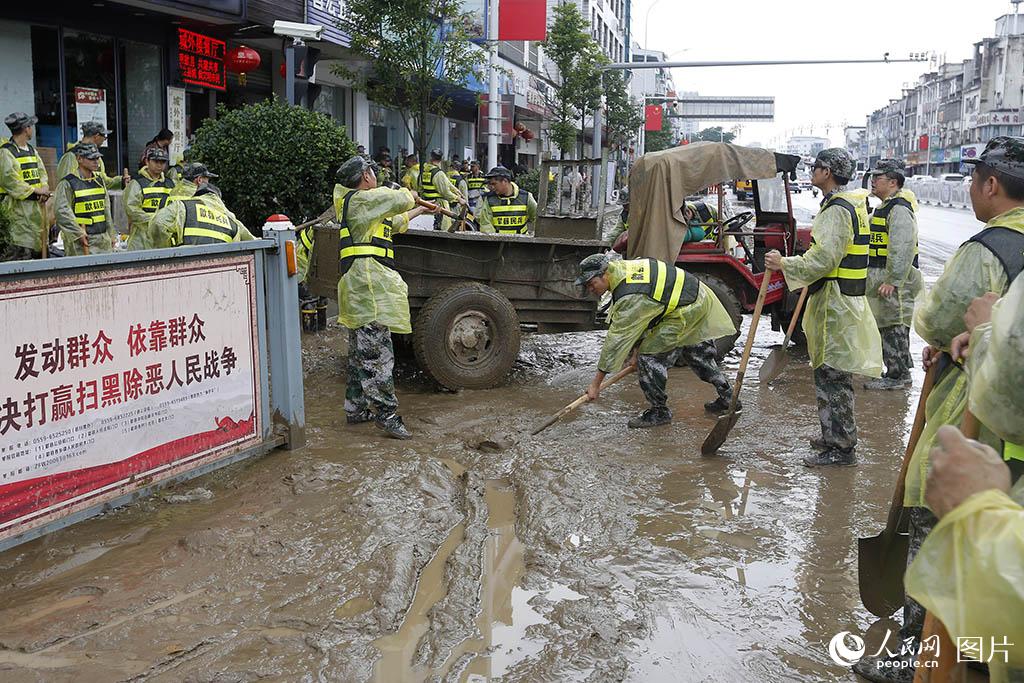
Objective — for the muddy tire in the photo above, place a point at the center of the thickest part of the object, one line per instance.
(467, 336)
(731, 301)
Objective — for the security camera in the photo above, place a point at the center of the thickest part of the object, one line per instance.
(292, 29)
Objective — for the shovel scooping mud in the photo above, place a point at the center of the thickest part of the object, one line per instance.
(776, 361)
(720, 432)
(499, 444)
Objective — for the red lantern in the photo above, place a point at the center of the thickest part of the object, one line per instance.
(282, 70)
(241, 60)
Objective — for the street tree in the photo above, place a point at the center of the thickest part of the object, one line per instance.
(657, 140)
(715, 134)
(579, 59)
(623, 113)
(416, 51)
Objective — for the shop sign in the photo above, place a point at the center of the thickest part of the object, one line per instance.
(176, 123)
(121, 384)
(953, 155)
(971, 151)
(201, 60)
(328, 13)
(90, 105)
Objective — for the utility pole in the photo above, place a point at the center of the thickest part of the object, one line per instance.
(493, 104)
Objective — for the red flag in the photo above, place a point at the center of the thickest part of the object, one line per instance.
(522, 20)
(652, 117)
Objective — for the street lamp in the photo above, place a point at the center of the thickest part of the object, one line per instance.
(647, 23)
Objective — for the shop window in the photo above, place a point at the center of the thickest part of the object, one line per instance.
(89, 64)
(331, 101)
(46, 84)
(142, 98)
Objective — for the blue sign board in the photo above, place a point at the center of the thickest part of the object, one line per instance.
(327, 13)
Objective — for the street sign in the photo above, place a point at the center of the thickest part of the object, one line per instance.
(725, 108)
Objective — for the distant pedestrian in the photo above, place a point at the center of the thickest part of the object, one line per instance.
(161, 140)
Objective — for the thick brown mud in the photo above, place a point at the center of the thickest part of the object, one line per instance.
(591, 552)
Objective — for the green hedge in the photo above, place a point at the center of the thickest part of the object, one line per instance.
(273, 158)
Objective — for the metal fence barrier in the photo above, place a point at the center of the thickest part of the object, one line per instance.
(941, 193)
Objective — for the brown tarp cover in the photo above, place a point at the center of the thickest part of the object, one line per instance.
(660, 182)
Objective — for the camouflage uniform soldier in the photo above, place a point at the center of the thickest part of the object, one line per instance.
(372, 297)
(666, 314)
(894, 278)
(842, 337)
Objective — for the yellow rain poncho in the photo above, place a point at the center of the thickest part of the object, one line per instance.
(71, 231)
(630, 316)
(167, 226)
(69, 164)
(411, 177)
(370, 291)
(971, 272)
(970, 574)
(27, 213)
(841, 331)
(899, 268)
(303, 251)
(996, 369)
(485, 216)
(444, 186)
(138, 217)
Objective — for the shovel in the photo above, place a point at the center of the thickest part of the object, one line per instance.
(777, 358)
(726, 422)
(882, 559)
(941, 665)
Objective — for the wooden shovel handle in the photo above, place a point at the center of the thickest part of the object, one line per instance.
(434, 207)
(795, 318)
(629, 369)
(319, 219)
(896, 506)
(761, 293)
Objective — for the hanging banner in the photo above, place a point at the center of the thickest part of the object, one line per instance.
(653, 117)
(90, 105)
(176, 123)
(122, 384)
(522, 20)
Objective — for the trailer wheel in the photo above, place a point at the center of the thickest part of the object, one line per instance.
(731, 302)
(467, 336)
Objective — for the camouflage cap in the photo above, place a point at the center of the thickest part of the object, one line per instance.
(19, 120)
(87, 150)
(837, 160)
(197, 170)
(157, 154)
(207, 188)
(591, 267)
(90, 128)
(624, 196)
(351, 172)
(884, 166)
(499, 172)
(1004, 154)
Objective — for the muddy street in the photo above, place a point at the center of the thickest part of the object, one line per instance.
(590, 552)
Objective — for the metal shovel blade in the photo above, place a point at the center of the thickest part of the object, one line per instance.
(720, 432)
(881, 563)
(773, 365)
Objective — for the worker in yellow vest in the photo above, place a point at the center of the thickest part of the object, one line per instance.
(475, 185)
(157, 234)
(666, 314)
(82, 206)
(506, 208)
(93, 132)
(842, 337)
(434, 185)
(24, 188)
(146, 194)
(199, 220)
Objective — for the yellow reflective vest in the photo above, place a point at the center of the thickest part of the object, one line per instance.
(380, 247)
(89, 203)
(852, 271)
(509, 215)
(29, 165)
(428, 190)
(665, 284)
(878, 250)
(205, 224)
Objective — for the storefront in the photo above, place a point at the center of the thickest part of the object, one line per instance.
(68, 63)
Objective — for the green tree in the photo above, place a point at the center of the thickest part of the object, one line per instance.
(657, 140)
(715, 134)
(272, 158)
(414, 49)
(578, 58)
(623, 114)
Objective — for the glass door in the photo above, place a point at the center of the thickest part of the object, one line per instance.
(142, 98)
(89, 65)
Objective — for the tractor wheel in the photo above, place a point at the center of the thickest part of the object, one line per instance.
(467, 336)
(731, 301)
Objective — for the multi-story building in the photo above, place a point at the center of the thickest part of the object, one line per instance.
(806, 145)
(855, 143)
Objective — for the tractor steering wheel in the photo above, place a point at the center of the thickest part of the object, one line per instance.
(738, 221)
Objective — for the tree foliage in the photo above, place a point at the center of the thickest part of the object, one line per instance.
(657, 140)
(272, 158)
(623, 113)
(578, 58)
(413, 48)
(715, 134)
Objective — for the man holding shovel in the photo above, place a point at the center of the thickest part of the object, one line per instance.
(842, 337)
(670, 314)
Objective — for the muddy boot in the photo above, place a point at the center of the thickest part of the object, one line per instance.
(832, 457)
(818, 444)
(359, 418)
(887, 384)
(898, 668)
(393, 425)
(721, 405)
(652, 417)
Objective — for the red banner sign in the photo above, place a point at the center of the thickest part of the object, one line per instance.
(652, 117)
(522, 20)
(201, 60)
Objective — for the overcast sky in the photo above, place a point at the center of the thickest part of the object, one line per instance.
(809, 97)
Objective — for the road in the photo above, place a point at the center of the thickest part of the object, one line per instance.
(588, 553)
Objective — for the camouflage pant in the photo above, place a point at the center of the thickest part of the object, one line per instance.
(834, 391)
(12, 252)
(653, 371)
(922, 521)
(896, 351)
(371, 364)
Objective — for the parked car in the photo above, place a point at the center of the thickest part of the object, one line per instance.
(952, 177)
